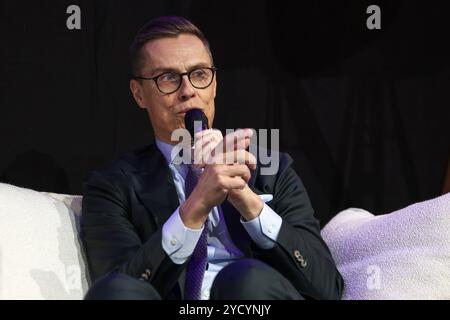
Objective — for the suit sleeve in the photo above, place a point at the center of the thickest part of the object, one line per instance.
(300, 253)
(112, 242)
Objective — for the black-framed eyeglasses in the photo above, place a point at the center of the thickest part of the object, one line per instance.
(169, 82)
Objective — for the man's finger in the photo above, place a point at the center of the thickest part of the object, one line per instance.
(205, 142)
(239, 139)
(235, 182)
(236, 170)
(237, 156)
(206, 136)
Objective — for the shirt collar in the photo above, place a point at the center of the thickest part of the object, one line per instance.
(166, 150)
(170, 153)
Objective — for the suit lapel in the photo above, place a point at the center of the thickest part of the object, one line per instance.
(237, 232)
(155, 187)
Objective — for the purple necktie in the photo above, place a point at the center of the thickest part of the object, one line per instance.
(197, 264)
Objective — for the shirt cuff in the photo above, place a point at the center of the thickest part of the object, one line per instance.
(265, 228)
(179, 241)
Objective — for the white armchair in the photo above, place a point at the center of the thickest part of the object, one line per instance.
(41, 255)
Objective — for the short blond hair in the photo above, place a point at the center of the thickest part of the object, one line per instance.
(161, 27)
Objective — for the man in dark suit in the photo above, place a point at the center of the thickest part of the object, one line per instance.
(146, 232)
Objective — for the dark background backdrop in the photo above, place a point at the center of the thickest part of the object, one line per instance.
(364, 113)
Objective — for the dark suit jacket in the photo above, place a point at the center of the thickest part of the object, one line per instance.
(126, 204)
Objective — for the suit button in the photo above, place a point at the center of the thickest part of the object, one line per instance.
(144, 276)
(148, 272)
(298, 256)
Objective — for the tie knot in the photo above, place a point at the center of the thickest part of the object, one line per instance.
(194, 170)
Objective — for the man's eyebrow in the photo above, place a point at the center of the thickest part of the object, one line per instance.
(159, 71)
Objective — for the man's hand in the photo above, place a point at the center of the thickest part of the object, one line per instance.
(225, 174)
(211, 190)
(210, 145)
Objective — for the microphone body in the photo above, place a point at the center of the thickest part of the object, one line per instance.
(195, 121)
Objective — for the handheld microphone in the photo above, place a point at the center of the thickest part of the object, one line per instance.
(195, 121)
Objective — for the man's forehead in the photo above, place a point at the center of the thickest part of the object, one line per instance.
(184, 49)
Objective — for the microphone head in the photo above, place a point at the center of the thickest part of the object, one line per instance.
(193, 116)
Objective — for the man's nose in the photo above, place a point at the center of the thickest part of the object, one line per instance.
(187, 91)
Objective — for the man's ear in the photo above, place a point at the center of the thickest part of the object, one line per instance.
(137, 91)
(215, 85)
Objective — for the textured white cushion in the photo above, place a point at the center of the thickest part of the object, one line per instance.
(401, 255)
(40, 251)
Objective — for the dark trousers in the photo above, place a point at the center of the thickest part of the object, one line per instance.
(245, 279)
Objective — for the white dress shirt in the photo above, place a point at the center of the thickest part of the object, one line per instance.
(179, 241)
